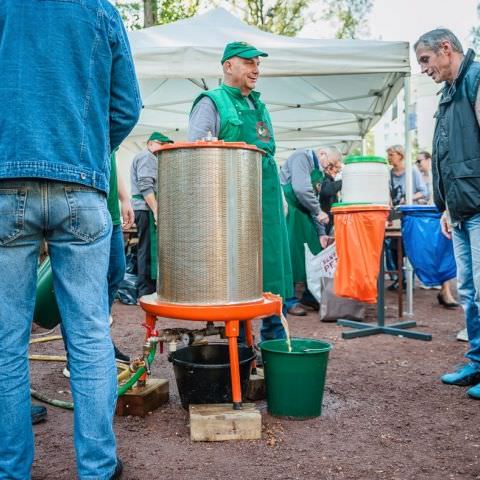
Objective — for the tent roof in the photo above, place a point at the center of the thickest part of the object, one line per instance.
(318, 91)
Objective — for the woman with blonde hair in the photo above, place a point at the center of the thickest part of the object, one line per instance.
(396, 159)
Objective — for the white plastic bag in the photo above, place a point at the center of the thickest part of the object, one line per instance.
(319, 266)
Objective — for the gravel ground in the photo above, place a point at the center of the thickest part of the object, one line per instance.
(386, 415)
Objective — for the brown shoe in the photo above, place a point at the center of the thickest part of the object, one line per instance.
(297, 310)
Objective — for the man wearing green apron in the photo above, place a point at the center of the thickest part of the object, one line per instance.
(301, 177)
(143, 182)
(234, 112)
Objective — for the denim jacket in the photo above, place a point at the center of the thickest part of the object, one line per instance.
(68, 91)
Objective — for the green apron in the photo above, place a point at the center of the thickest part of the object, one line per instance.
(254, 127)
(153, 246)
(152, 229)
(301, 228)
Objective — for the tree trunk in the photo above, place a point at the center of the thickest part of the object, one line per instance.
(149, 13)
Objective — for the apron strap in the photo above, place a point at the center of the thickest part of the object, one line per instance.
(315, 160)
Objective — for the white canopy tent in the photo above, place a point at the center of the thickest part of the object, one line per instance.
(318, 91)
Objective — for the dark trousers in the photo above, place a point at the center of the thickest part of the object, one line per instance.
(145, 284)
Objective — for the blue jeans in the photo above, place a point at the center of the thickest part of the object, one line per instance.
(291, 302)
(116, 265)
(75, 222)
(271, 328)
(306, 296)
(466, 245)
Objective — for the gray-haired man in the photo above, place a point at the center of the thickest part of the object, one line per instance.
(301, 175)
(456, 176)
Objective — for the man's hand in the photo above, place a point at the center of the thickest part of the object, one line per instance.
(325, 241)
(322, 217)
(446, 226)
(128, 216)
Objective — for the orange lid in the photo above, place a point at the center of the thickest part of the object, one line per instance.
(208, 144)
(360, 208)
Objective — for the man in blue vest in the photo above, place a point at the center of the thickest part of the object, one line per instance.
(456, 177)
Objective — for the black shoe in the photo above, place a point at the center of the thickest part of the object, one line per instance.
(259, 360)
(120, 357)
(297, 310)
(446, 304)
(38, 413)
(313, 304)
(118, 470)
(393, 286)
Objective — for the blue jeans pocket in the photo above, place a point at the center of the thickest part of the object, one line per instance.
(12, 213)
(89, 217)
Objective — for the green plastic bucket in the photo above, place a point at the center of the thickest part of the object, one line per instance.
(295, 380)
(364, 159)
(46, 312)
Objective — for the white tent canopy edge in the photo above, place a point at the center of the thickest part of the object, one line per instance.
(318, 91)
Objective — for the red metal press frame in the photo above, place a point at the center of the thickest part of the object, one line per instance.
(230, 314)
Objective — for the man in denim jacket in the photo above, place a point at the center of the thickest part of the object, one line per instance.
(69, 97)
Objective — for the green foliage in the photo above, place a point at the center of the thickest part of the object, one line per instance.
(475, 33)
(370, 143)
(348, 15)
(355, 152)
(132, 14)
(173, 10)
(147, 13)
(282, 17)
(475, 36)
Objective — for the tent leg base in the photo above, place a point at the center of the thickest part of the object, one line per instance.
(397, 329)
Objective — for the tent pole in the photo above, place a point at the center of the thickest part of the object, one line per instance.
(408, 188)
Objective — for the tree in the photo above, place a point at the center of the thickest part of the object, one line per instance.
(132, 14)
(155, 12)
(475, 33)
(282, 17)
(348, 15)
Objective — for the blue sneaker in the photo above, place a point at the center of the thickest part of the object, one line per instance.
(466, 375)
(474, 392)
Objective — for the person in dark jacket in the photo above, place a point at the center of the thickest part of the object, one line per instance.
(328, 191)
(456, 176)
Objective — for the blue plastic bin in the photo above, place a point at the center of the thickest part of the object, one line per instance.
(429, 251)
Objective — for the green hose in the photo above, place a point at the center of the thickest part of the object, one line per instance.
(134, 378)
(51, 401)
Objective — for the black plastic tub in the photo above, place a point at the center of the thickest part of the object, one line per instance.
(202, 372)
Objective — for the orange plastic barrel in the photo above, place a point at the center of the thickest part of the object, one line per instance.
(359, 235)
